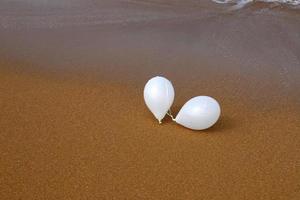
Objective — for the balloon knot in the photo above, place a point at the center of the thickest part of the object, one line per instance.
(170, 115)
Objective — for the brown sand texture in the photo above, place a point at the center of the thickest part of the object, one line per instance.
(73, 123)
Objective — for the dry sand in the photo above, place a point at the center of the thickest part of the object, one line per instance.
(73, 124)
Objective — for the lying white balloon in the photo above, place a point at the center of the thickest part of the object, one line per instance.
(159, 96)
(199, 113)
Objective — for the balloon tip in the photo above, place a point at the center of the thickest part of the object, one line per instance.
(159, 121)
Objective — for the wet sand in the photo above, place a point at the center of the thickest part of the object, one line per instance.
(73, 123)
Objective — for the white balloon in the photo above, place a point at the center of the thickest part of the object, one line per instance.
(159, 96)
(199, 113)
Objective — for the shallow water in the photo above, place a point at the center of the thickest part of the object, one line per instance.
(53, 14)
(118, 39)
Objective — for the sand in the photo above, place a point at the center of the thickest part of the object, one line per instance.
(73, 123)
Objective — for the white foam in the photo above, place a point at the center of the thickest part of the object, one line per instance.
(241, 3)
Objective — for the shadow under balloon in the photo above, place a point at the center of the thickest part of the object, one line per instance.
(225, 123)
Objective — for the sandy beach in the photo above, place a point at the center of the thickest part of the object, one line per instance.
(74, 125)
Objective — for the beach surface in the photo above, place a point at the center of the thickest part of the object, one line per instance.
(74, 125)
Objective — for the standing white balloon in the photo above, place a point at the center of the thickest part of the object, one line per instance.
(159, 96)
(199, 113)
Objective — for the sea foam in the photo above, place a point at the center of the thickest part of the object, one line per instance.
(242, 3)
